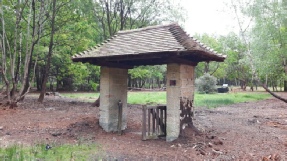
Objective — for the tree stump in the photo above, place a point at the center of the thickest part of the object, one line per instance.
(96, 103)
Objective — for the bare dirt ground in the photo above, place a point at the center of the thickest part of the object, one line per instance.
(244, 131)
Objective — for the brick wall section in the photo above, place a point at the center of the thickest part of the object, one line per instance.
(183, 77)
(113, 87)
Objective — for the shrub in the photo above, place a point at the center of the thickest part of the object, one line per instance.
(206, 83)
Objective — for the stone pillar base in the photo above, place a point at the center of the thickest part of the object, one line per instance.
(113, 87)
(180, 84)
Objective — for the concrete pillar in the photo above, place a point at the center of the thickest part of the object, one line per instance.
(113, 87)
(180, 85)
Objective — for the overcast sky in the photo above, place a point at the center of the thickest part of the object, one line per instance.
(208, 16)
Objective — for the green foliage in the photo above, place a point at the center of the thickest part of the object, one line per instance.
(235, 67)
(140, 72)
(206, 83)
(264, 38)
(216, 69)
(145, 72)
(149, 74)
(80, 24)
(268, 38)
(94, 86)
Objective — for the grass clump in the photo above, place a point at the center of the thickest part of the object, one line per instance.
(39, 152)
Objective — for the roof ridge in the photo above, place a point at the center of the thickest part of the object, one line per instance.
(147, 28)
(189, 42)
(175, 34)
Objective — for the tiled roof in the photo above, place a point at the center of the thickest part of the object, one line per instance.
(150, 40)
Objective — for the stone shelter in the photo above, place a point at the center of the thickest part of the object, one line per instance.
(154, 45)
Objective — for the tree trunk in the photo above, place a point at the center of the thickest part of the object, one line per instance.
(158, 83)
(206, 67)
(29, 53)
(129, 81)
(15, 55)
(96, 103)
(142, 84)
(38, 78)
(266, 80)
(19, 63)
(57, 85)
(108, 12)
(3, 68)
(50, 52)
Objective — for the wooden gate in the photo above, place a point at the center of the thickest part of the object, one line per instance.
(153, 122)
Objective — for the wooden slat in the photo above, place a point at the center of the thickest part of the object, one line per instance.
(148, 113)
(157, 121)
(161, 122)
(153, 121)
(165, 121)
(144, 123)
(151, 107)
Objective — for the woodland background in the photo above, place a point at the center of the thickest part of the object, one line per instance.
(38, 38)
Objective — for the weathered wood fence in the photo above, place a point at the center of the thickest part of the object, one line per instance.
(153, 122)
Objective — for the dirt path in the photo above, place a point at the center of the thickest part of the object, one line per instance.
(245, 131)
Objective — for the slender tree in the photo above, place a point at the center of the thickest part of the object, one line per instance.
(239, 8)
(47, 68)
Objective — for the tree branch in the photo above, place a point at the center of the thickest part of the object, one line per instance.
(272, 93)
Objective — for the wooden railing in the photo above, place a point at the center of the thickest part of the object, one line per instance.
(154, 122)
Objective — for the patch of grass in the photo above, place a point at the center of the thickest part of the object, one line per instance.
(151, 98)
(200, 100)
(90, 97)
(219, 99)
(39, 152)
(214, 102)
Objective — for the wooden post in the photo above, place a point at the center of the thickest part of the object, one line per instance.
(157, 121)
(153, 121)
(120, 105)
(161, 122)
(144, 123)
(165, 120)
(148, 116)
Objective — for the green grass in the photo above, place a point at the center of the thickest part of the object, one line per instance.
(38, 152)
(219, 99)
(147, 98)
(84, 96)
(200, 100)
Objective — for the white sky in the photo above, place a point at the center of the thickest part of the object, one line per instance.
(208, 16)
